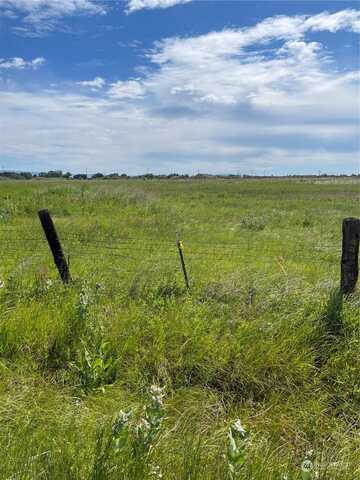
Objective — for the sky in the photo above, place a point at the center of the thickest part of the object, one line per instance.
(185, 86)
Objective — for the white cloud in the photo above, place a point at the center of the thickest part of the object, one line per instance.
(233, 41)
(129, 89)
(209, 103)
(218, 68)
(134, 5)
(95, 84)
(18, 63)
(42, 16)
(342, 20)
(74, 132)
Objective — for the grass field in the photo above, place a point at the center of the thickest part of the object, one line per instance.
(262, 336)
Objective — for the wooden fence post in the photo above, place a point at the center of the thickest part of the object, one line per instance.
(55, 245)
(350, 254)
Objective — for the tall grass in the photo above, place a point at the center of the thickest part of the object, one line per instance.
(258, 364)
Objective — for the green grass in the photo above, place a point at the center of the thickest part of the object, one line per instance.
(262, 335)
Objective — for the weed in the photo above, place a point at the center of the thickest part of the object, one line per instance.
(95, 365)
(307, 222)
(236, 453)
(127, 448)
(255, 224)
(308, 471)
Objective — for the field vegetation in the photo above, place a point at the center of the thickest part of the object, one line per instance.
(253, 373)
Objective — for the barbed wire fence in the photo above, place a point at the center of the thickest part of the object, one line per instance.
(128, 253)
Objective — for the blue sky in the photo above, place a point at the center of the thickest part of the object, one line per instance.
(180, 86)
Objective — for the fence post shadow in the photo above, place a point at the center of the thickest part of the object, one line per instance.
(332, 316)
(329, 328)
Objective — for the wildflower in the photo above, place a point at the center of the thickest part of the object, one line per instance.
(237, 436)
(307, 468)
(48, 283)
(309, 454)
(143, 427)
(120, 422)
(119, 430)
(149, 425)
(156, 472)
(238, 429)
(84, 299)
(142, 435)
(84, 302)
(2, 284)
(157, 395)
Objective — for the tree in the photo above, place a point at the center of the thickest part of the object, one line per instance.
(54, 174)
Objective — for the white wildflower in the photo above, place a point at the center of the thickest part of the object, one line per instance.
(143, 426)
(2, 284)
(307, 468)
(236, 452)
(120, 422)
(156, 472)
(84, 299)
(124, 417)
(157, 394)
(309, 454)
(238, 429)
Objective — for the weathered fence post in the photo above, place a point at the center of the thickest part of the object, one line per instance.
(180, 248)
(350, 254)
(55, 245)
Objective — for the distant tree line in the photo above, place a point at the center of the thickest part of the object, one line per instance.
(14, 175)
(83, 176)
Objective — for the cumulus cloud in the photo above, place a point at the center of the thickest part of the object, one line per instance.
(129, 89)
(342, 20)
(233, 41)
(41, 16)
(18, 63)
(223, 68)
(95, 84)
(134, 5)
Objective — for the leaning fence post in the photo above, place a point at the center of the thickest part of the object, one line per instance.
(181, 254)
(55, 245)
(350, 254)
